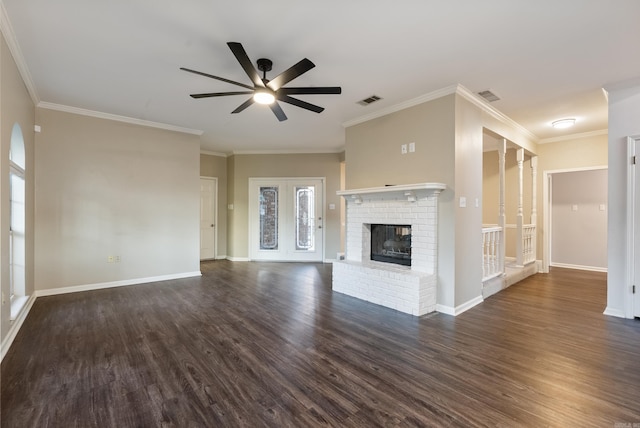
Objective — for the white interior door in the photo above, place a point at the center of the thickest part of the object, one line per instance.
(208, 188)
(286, 219)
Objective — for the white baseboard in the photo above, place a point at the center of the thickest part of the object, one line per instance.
(448, 310)
(613, 312)
(101, 285)
(239, 259)
(579, 267)
(15, 326)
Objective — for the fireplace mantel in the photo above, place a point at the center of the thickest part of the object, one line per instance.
(410, 289)
(408, 191)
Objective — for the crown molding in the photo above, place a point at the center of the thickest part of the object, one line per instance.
(403, 105)
(574, 136)
(117, 118)
(210, 153)
(492, 111)
(453, 89)
(286, 152)
(16, 53)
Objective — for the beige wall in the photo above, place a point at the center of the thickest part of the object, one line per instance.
(579, 219)
(373, 157)
(470, 122)
(216, 166)
(111, 188)
(242, 167)
(15, 107)
(577, 153)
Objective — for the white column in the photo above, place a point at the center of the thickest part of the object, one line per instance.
(502, 219)
(534, 205)
(520, 216)
(534, 190)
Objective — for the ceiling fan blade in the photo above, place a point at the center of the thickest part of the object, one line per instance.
(245, 62)
(300, 103)
(277, 110)
(244, 105)
(311, 90)
(220, 94)
(291, 73)
(216, 77)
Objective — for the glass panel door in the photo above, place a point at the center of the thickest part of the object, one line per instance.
(268, 198)
(305, 217)
(285, 220)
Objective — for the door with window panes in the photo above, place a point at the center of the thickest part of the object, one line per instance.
(286, 219)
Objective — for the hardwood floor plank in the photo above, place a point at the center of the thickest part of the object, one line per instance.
(269, 344)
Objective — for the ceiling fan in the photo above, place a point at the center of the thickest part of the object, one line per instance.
(265, 91)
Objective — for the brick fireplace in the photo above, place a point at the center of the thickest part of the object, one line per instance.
(410, 289)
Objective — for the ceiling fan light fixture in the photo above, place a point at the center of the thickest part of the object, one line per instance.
(264, 97)
(563, 123)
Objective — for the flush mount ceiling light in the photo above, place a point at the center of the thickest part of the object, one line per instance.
(563, 123)
(263, 97)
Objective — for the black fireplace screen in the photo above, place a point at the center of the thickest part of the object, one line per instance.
(391, 243)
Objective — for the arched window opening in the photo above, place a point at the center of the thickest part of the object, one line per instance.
(17, 231)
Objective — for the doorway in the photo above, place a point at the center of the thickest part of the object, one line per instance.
(208, 217)
(575, 219)
(286, 219)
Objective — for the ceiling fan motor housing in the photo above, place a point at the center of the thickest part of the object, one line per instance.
(264, 64)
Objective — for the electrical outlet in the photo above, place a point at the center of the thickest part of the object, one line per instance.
(403, 149)
(117, 259)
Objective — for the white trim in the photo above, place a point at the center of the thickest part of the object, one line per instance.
(117, 118)
(448, 310)
(16, 52)
(629, 307)
(15, 327)
(449, 90)
(613, 312)
(113, 284)
(579, 267)
(210, 153)
(287, 152)
(238, 259)
(434, 95)
(574, 136)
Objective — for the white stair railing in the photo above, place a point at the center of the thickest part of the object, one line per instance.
(492, 263)
(528, 244)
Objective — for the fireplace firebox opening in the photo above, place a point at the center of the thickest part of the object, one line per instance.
(391, 243)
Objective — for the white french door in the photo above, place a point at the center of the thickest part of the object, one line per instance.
(285, 219)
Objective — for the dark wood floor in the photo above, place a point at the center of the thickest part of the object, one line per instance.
(269, 344)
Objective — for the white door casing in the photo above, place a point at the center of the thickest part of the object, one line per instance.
(286, 219)
(633, 227)
(208, 203)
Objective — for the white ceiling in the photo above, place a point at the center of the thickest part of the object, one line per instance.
(546, 59)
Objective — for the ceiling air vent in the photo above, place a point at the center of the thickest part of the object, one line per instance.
(369, 100)
(489, 96)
